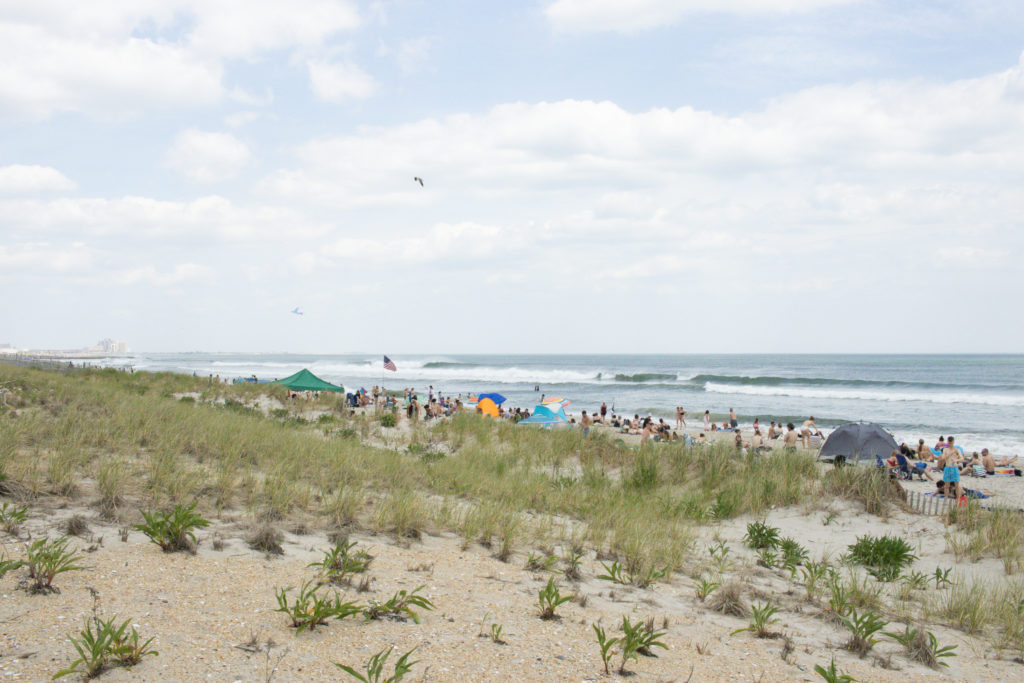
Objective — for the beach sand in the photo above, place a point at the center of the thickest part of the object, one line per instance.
(203, 609)
(213, 614)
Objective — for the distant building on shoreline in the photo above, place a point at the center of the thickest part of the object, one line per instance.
(101, 349)
(109, 346)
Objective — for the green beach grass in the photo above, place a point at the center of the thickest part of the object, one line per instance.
(129, 442)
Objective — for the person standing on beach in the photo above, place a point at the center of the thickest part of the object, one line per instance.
(604, 411)
(707, 421)
(950, 470)
(680, 417)
(807, 430)
(585, 423)
(733, 422)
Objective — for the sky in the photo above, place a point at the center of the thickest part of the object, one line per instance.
(599, 176)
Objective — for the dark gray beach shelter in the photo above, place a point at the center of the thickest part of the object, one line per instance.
(857, 442)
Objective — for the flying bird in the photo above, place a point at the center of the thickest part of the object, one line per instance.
(296, 311)
(419, 180)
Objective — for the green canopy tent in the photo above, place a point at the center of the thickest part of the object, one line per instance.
(304, 380)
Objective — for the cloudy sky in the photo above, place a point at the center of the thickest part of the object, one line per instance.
(599, 175)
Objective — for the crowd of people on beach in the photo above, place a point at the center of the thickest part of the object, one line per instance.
(944, 463)
(947, 460)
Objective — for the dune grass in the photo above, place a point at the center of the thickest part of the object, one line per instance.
(133, 435)
(132, 440)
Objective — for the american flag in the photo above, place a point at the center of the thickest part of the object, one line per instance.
(389, 364)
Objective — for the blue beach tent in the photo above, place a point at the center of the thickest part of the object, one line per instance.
(544, 416)
(497, 398)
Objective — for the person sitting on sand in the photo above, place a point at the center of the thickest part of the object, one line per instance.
(649, 431)
(740, 443)
(923, 452)
(757, 441)
(941, 443)
(771, 431)
(950, 471)
(702, 439)
(790, 438)
(990, 463)
(892, 463)
(714, 427)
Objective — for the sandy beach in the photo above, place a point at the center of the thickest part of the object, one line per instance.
(204, 609)
(214, 615)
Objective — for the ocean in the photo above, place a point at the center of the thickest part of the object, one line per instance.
(978, 398)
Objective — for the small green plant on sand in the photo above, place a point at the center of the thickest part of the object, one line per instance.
(648, 576)
(915, 581)
(613, 573)
(760, 535)
(638, 639)
(720, 556)
(341, 562)
(885, 557)
(102, 643)
(549, 598)
(766, 557)
(793, 554)
(572, 560)
(7, 565)
(833, 675)
(813, 573)
(46, 559)
(311, 609)
(761, 618)
(941, 577)
(649, 637)
(922, 646)
(495, 634)
(863, 629)
(606, 644)
(388, 420)
(12, 517)
(173, 531)
(540, 563)
(704, 588)
(398, 607)
(374, 668)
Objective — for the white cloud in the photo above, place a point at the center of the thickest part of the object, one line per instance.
(413, 55)
(339, 81)
(20, 179)
(443, 241)
(970, 257)
(112, 58)
(35, 258)
(241, 118)
(180, 274)
(207, 157)
(814, 183)
(206, 220)
(628, 16)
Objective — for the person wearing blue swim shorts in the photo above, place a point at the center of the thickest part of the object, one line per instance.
(951, 470)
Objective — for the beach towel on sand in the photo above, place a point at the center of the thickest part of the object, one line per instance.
(968, 493)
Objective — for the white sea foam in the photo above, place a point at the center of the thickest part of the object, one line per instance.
(942, 397)
(414, 371)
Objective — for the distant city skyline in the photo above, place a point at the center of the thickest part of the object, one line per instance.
(549, 176)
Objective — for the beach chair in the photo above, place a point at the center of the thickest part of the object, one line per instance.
(904, 469)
